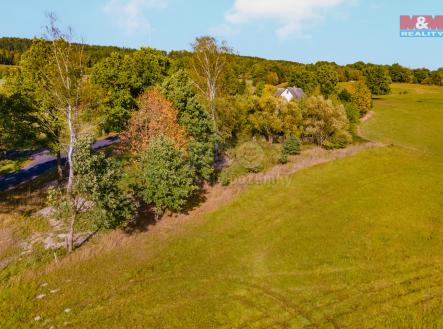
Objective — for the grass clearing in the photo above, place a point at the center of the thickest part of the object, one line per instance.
(353, 243)
(10, 166)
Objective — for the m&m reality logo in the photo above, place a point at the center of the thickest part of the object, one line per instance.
(421, 26)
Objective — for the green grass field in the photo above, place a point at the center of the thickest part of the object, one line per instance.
(354, 243)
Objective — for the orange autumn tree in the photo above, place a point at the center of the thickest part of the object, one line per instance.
(156, 116)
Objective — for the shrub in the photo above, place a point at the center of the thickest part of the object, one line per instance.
(291, 146)
(228, 175)
(250, 155)
(283, 157)
(345, 96)
(339, 140)
(97, 179)
(353, 115)
(323, 120)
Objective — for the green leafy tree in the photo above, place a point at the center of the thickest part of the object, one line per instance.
(265, 119)
(436, 77)
(362, 98)
(304, 79)
(421, 75)
(31, 84)
(378, 80)
(118, 110)
(291, 118)
(192, 116)
(325, 122)
(165, 178)
(232, 119)
(352, 73)
(148, 67)
(97, 180)
(400, 73)
(96, 197)
(327, 77)
(273, 117)
(123, 78)
(18, 126)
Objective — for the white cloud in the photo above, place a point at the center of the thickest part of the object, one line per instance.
(130, 14)
(291, 16)
(223, 30)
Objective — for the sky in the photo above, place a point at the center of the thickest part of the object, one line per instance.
(344, 31)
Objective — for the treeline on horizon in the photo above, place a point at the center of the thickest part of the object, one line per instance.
(256, 69)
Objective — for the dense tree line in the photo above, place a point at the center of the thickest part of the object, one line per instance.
(11, 50)
(257, 70)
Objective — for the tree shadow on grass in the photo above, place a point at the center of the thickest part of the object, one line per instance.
(142, 221)
(146, 218)
(195, 201)
(28, 197)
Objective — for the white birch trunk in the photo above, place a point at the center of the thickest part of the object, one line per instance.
(71, 146)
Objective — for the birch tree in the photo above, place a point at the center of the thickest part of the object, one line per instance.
(208, 64)
(65, 81)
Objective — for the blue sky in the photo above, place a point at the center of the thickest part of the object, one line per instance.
(343, 31)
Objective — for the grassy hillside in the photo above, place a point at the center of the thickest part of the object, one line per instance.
(411, 117)
(354, 243)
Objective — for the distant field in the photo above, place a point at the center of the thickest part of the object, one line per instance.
(413, 120)
(355, 243)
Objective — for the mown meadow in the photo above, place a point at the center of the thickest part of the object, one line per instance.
(354, 243)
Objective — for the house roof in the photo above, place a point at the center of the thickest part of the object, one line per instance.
(297, 93)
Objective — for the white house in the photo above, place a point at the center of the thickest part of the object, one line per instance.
(290, 93)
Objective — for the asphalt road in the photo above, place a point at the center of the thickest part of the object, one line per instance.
(42, 162)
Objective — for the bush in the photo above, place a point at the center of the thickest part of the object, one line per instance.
(97, 179)
(234, 171)
(250, 155)
(324, 120)
(345, 96)
(338, 141)
(283, 157)
(291, 146)
(353, 115)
